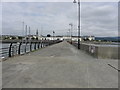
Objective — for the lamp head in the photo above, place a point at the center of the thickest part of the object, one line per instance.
(71, 24)
(74, 1)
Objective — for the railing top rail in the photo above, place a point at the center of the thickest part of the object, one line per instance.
(4, 48)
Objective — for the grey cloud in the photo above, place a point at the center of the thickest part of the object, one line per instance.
(95, 17)
(99, 20)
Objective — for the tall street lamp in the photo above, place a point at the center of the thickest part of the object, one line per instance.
(23, 36)
(26, 31)
(23, 28)
(78, 22)
(71, 31)
(53, 34)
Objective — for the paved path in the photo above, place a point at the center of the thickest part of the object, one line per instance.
(59, 66)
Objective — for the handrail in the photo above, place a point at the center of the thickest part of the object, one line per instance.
(23, 47)
(10, 50)
(19, 47)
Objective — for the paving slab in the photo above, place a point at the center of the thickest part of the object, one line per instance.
(59, 66)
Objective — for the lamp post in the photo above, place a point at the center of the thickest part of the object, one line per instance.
(29, 31)
(26, 31)
(29, 34)
(23, 36)
(71, 31)
(78, 22)
(53, 35)
(68, 33)
(23, 28)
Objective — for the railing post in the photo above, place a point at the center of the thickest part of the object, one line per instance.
(38, 44)
(41, 44)
(30, 46)
(10, 50)
(19, 47)
(35, 46)
(25, 47)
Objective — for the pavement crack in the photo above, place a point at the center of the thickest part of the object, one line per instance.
(114, 67)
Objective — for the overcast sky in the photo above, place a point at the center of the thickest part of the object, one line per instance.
(97, 18)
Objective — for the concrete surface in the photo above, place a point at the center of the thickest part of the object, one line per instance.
(59, 66)
(108, 52)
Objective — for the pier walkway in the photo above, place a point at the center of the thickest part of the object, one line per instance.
(59, 66)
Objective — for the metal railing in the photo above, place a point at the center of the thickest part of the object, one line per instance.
(23, 48)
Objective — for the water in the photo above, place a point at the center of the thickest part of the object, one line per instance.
(104, 45)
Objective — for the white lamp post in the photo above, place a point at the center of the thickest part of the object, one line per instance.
(78, 22)
(71, 30)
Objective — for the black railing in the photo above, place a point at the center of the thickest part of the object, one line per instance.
(24, 47)
(4, 52)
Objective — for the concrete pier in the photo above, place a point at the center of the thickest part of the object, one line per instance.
(59, 66)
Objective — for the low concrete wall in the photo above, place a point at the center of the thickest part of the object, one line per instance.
(100, 52)
(108, 52)
(92, 50)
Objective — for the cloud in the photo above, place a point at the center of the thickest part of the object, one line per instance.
(95, 17)
(99, 20)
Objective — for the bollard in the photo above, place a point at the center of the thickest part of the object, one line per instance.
(10, 50)
(19, 47)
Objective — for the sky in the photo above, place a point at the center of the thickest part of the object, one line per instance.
(97, 18)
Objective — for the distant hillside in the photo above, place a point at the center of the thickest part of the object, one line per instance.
(108, 38)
